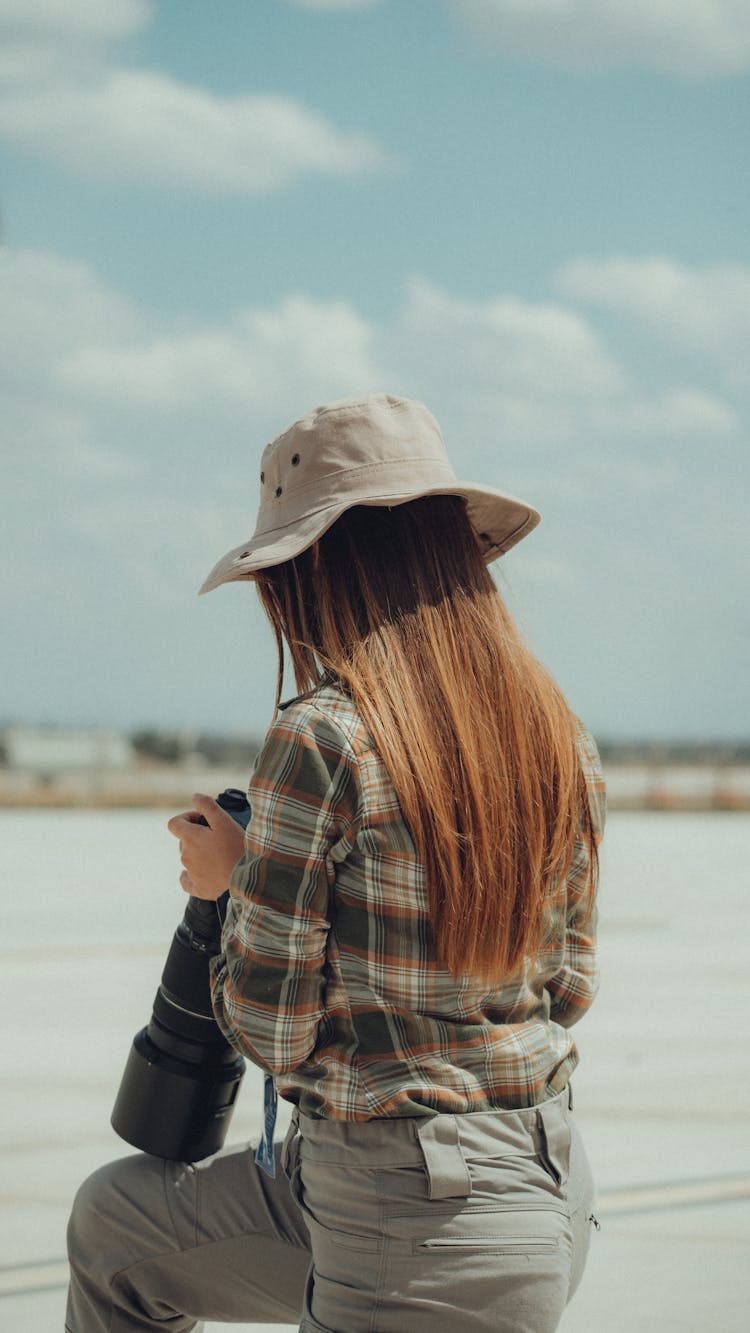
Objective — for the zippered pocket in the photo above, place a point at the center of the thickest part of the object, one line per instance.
(493, 1244)
(499, 1230)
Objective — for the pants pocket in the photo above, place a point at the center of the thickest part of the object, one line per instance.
(508, 1245)
(501, 1231)
(339, 1208)
(506, 1269)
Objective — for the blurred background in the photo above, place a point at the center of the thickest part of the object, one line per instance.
(535, 219)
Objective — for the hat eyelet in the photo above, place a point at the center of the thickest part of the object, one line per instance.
(485, 537)
(279, 490)
(295, 460)
(262, 478)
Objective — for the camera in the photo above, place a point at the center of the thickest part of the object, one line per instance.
(182, 1077)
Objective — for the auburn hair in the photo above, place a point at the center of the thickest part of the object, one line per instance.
(478, 740)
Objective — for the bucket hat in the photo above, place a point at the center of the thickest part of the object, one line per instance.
(377, 450)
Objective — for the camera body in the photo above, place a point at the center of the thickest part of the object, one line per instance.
(182, 1077)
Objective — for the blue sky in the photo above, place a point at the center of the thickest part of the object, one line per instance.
(534, 218)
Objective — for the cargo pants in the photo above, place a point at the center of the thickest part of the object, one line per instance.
(445, 1223)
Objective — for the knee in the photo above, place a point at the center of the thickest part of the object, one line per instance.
(116, 1211)
(94, 1208)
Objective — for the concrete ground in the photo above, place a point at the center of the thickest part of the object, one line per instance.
(662, 1093)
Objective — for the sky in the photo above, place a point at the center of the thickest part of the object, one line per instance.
(216, 216)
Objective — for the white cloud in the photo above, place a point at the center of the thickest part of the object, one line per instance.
(133, 439)
(676, 412)
(96, 387)
(503, 369)
(703, 310)
(536, 375)
(62, 99)
(686, 37)
(69, 338)
(131, 125)
(533, 374)
(44, 43)
(79, 20)
(536, 347)
(51, 303)
(255, 360)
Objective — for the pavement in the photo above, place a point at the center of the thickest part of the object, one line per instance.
(662, 1094)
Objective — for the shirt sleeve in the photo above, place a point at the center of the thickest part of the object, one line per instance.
(573, 987)
(268, 984)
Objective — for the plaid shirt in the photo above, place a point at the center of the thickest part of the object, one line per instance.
(328, 978)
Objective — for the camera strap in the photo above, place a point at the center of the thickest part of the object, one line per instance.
(264, 1156)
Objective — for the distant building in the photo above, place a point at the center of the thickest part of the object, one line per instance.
(49, 751)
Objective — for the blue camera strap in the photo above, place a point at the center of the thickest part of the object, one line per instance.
(264, 1157)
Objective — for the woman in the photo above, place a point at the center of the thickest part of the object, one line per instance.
(410, 933)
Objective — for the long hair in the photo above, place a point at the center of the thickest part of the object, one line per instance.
(479, 742)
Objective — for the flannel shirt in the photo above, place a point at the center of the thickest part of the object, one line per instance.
(328, 978)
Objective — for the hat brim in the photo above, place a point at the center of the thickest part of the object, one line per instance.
(499, 520)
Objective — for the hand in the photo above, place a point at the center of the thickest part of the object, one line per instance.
(209, 854)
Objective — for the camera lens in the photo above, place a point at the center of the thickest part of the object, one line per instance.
(182, 1076)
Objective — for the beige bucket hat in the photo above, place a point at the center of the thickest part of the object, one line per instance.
(378, 450)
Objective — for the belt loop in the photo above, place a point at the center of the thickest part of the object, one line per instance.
(447, 1173)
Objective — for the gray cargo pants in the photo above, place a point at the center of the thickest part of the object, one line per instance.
(470, 1222)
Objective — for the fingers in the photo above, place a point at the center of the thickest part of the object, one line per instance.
(205, 805)
(210, 844)
(176, 824)
(179, 823)
(209, 809)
